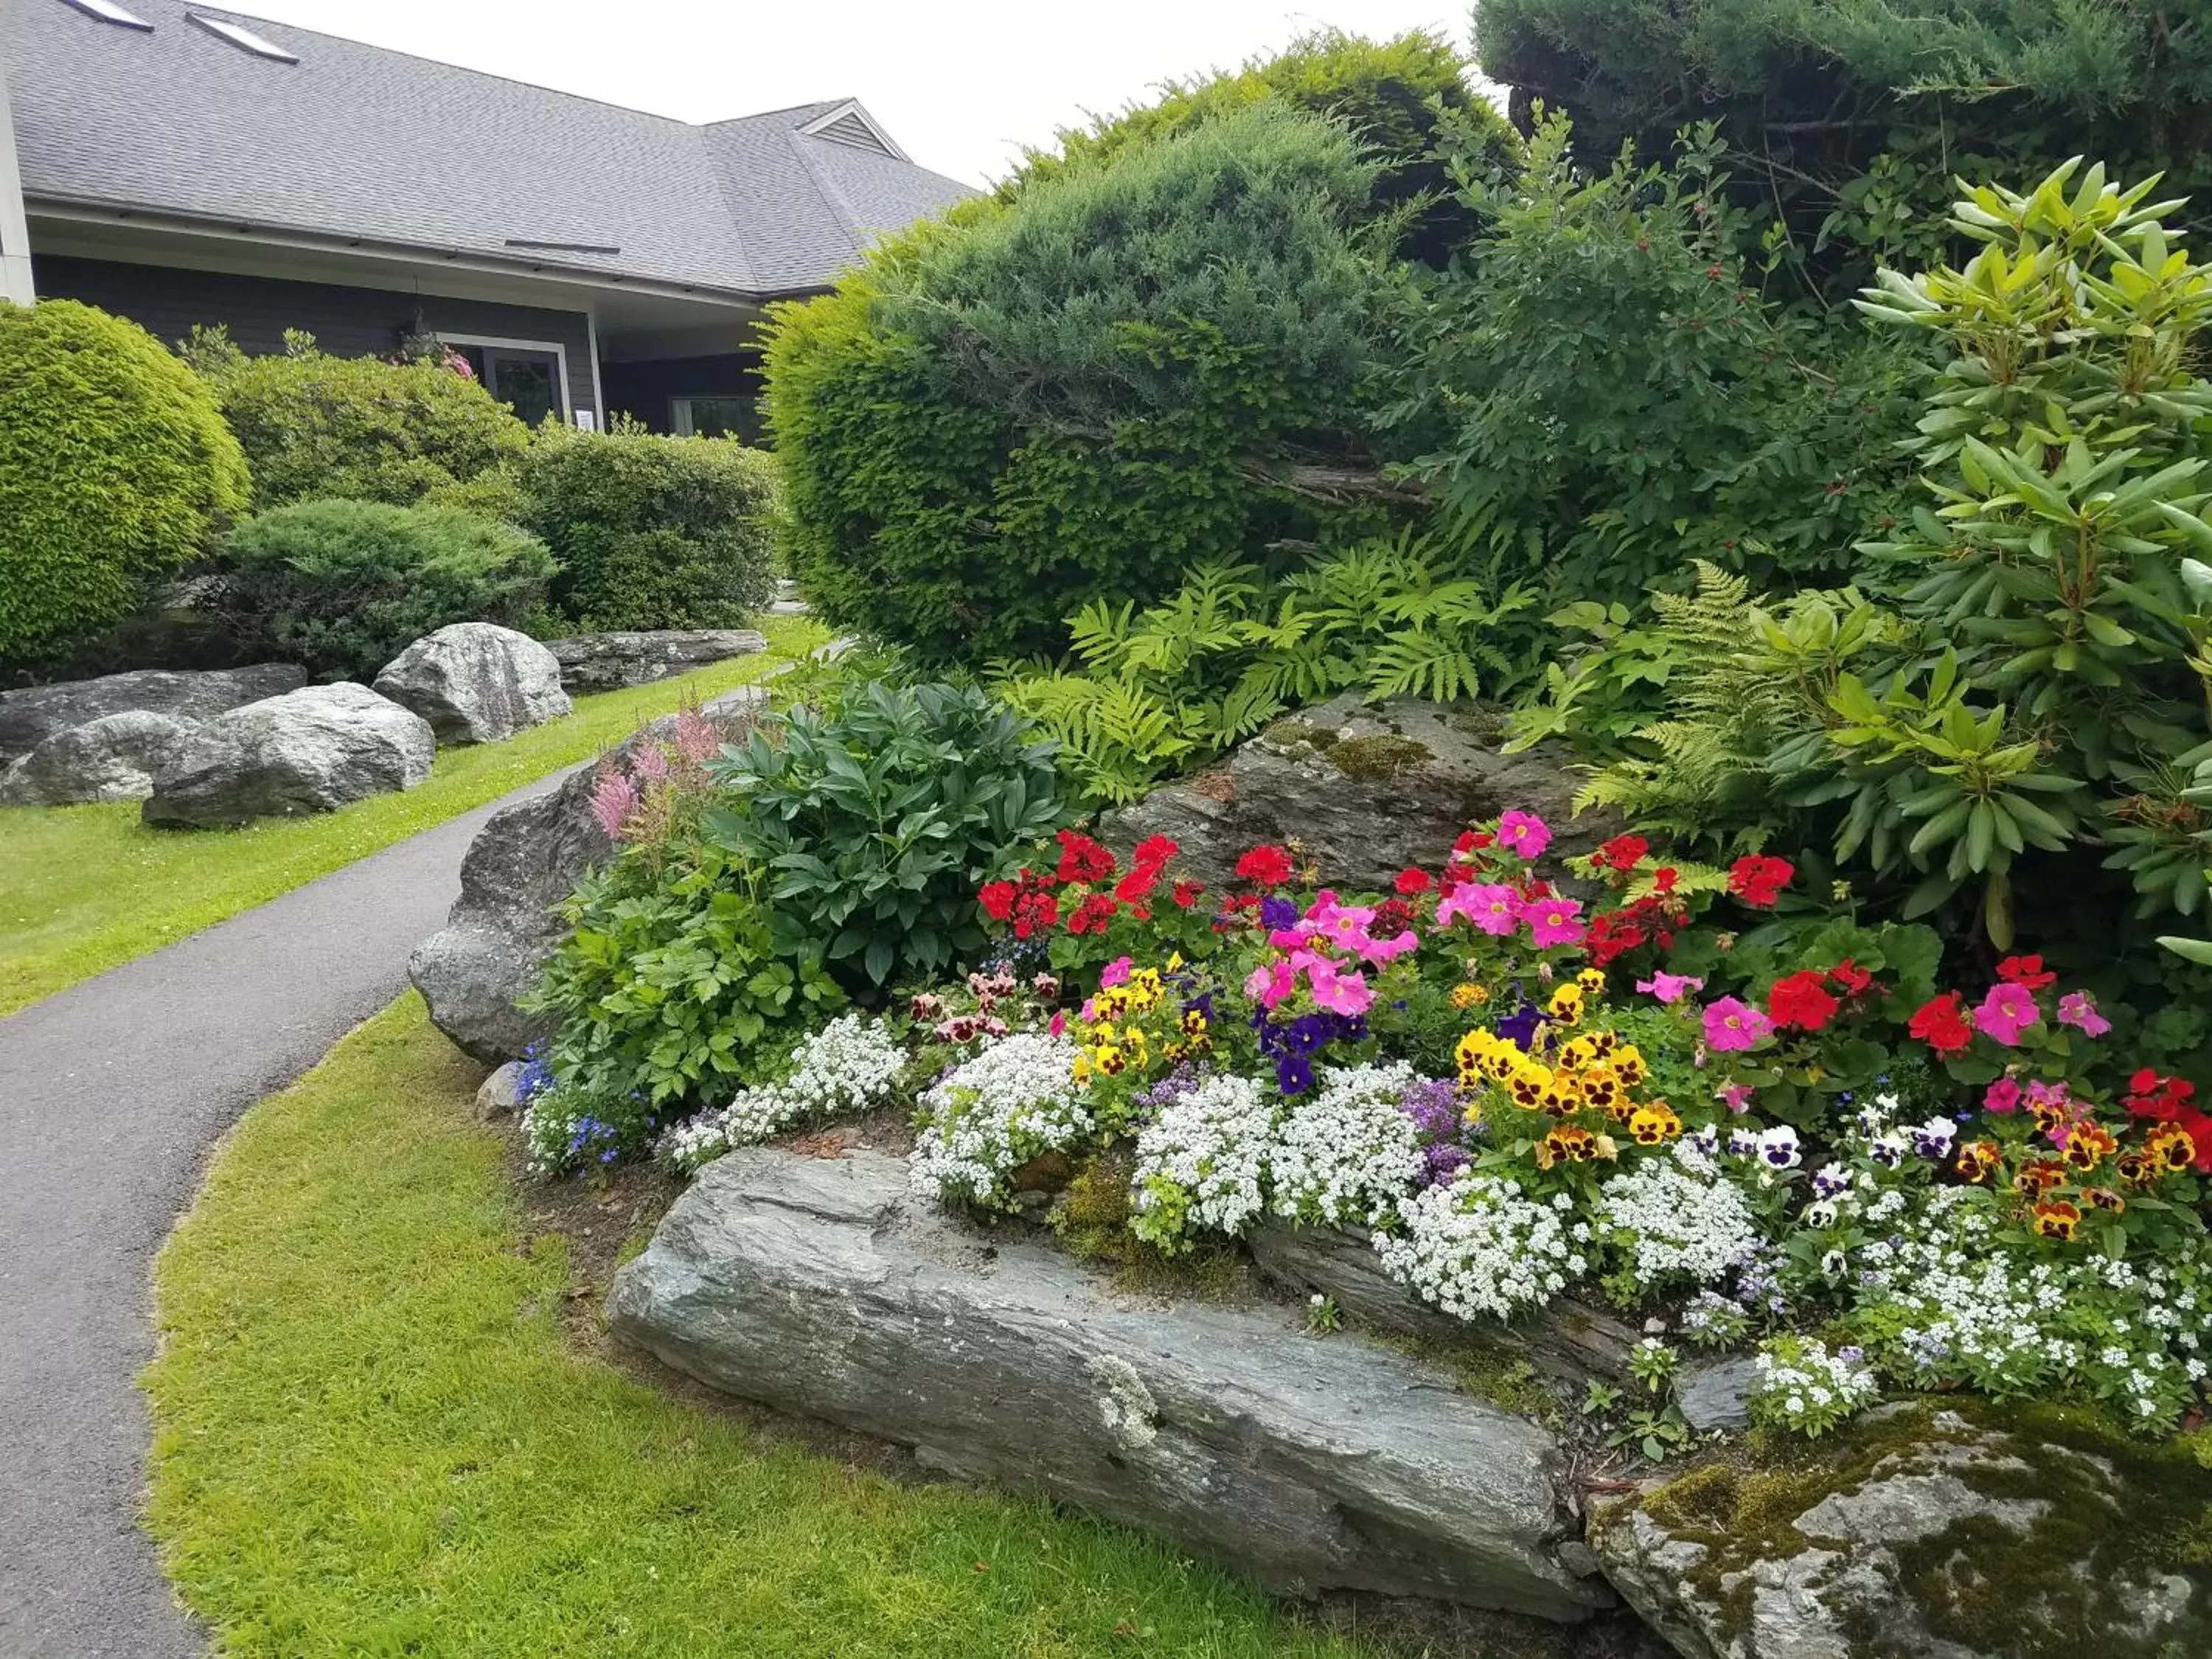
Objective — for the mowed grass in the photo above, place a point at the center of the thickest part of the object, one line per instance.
(84, 888)
(370, 1439)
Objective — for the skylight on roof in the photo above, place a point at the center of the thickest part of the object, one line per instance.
(243, 38)
(108, 12)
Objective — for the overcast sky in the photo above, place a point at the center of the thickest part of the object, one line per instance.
(962, 84)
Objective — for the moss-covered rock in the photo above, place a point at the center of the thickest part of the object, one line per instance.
(1973, 1533)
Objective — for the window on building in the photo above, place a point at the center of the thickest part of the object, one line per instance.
(715, 417)
(524, 377)
(108, 12)
(243, 38)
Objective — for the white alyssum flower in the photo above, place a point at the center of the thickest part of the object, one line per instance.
(1202, 1162)
(1798, 1384)
(1678, 1217)
(1344, 1151)
(1015, 1101)
(849, 1065)
(1478, 1247)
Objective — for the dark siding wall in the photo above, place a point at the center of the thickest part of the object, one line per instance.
(348, 322)
(643, 389)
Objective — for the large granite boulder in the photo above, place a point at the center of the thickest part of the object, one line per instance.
(311, 751)
(1923, 1532)
(29, 717)
(609, 662)
(527, 859)
(1366, 790)
(477, 683)
(824, 1287)
(115, 757)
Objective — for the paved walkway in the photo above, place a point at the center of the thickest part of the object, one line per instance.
(111, 1095)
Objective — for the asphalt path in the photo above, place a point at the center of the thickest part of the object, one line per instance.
(112, 1093)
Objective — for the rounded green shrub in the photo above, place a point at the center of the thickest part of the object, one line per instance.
(317, 427)
(115, 469)
(652, 531)
(344, 586)
(1083, 392)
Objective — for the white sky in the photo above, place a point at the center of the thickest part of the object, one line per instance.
(962, 84)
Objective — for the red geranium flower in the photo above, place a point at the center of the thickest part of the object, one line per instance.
(1759, 879)
(998, 899)
(1622, 852)
(1801, 1000)
(1412, 879)
(1036, 911)
(1942, 1024)
(1853, 979)
(1154, 851)
(1268, 866)
(1082, 858)
(1092, 915)
(1613, 934)
(1186, 894)
(1663, 878)
(1137, 885)
(1392, 917)
(2026, 972)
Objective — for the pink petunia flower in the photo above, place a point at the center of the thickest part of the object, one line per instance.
(2006, 1011)
(2001, 1096)
(1490, 906)
(1270, 983)
(1337, 992)
(1380, 951)
(2079, 1009)
(1057, 1023)
(1731, 1024)
(1523, 834)
(1554, 921)
(1736, 1096)
(1670, 988)
(1116, 972)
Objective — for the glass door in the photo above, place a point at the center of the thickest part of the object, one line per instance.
(527, 382)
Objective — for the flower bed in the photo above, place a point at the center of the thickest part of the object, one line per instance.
(1698, 1093)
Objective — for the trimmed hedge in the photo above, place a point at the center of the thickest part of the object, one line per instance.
(317, 427)
(115, 469)
(345, 587)
(1076, 394)
(652, 531)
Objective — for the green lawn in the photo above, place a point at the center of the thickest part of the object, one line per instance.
(83, 888)
(370, 1439)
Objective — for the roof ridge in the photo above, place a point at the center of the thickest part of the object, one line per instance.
(495, 74)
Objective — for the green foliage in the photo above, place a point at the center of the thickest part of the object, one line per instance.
(1848, 117)
(1171, 687)
(666, 995)
(1602, 386)
(115, 469)
(873, 826)
(652, 531)
(315, 426)
(1406, 99)
(344, 586)
(1083, 394)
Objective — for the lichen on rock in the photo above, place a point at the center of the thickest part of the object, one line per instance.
(1962, 1533)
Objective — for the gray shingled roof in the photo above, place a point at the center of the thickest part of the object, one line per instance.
(354, 140)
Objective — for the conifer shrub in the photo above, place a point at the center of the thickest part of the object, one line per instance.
(652, 531)
(115, 469)
(344, 586)
(1083, 392)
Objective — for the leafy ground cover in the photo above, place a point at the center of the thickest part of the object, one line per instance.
(89, 887)
(371, 1438)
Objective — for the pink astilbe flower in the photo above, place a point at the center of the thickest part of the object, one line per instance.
(1554, 921)
(697, 740)
(1731, 1024)
(1490, 906)
(648, 763)
(614, 802)
(2006, 1011)
(2079, 1009)
(1523, 834)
